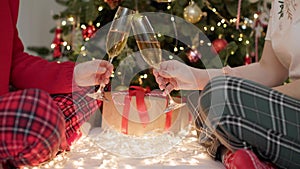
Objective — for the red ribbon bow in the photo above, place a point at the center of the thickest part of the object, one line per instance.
(139, 92)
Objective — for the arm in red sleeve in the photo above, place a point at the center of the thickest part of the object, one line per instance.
(35, 72)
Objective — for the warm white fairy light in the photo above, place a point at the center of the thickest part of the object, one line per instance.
(234, 20)
(212, 28)
(171, 57)
(68, 47)
(99, 156)
(175, 49)
(71, 19)
(98, 24)
(173, 163)
(53, 46)
(172, 19)
(244, 26)
(112, 75)
(100, 8)
(145, 76)
(247, 42)
(183, 149)
(65, 43)
(181, 48)
(193, 132)
(83, 26)
(225, 25)
(63, 23)
(51, 163)
(201, 42)
(129, 167)
(78, 162)
(205, 28)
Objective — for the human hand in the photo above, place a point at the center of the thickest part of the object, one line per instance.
(93, 72)
(174, 75)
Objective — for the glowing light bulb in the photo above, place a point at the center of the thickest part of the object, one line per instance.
(100, 8)
(175, 49)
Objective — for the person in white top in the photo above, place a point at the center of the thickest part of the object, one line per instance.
(252, 115)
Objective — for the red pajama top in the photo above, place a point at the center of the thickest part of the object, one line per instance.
(21, 69)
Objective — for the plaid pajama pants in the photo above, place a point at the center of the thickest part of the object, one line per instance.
(239, 113)
(36, 126)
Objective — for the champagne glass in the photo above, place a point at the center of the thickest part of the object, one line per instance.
(150, 49)
(116, 40)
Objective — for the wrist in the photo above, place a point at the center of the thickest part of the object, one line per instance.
(201, 77)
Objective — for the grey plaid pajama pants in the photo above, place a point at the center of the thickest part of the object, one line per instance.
(239, 113)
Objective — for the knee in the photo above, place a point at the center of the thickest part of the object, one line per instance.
(35, 130)
(38, 106)
(214, 96)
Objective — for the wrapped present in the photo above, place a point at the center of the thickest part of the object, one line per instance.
(139, 111)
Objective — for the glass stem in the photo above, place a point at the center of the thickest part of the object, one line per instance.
(171, 101)
(101, 88)
(110, 59)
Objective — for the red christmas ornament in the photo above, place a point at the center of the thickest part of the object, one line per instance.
(56, 52)
(193, 55)
(56, 43)
(89, 31)
(247, 59)
(218, 45)
(113, 3)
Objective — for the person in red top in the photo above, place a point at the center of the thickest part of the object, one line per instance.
(43, 116)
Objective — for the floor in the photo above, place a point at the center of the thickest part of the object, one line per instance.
(90, 153)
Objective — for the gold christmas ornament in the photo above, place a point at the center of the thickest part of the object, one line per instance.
(192, 13)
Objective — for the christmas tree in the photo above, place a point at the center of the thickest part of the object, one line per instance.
(235, 28)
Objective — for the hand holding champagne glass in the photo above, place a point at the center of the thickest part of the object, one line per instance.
(116, 41)
(150, 49)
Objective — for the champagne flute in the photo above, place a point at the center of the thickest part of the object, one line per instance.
(115, 41)
(150, 49)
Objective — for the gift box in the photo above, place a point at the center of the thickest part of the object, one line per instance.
(139, 111)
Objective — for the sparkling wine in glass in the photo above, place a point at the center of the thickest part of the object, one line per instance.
(150, 49)
(116, 41)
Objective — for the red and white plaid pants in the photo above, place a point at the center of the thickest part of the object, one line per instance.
(35, 126)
